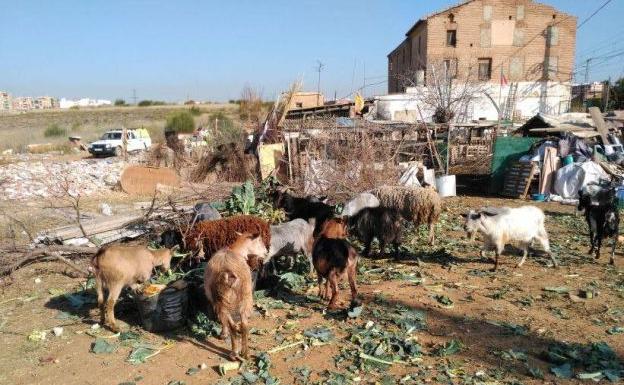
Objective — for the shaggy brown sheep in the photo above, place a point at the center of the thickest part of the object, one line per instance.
(417, 204)
(212, 236)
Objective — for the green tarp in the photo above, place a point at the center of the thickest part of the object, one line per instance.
(507, 149)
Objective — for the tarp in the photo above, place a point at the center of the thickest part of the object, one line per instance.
(571, 178)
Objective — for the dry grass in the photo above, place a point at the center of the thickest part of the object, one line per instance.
(19, 130)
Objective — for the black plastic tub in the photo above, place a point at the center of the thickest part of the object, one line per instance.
(166, 310)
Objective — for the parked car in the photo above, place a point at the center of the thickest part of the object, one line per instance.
(111, 142)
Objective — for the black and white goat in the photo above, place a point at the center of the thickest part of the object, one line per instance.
(601, 213)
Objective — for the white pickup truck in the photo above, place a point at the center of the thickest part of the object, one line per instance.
(111, 143)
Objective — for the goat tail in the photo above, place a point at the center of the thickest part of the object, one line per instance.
(95, 261)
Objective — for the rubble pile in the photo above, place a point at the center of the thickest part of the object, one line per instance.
(41, 179)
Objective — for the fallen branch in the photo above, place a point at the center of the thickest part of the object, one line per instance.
(49, 253)
(284, 347)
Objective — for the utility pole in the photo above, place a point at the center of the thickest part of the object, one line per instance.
(319, 68)
(606, 104)
(584, 89)
(364, 81)
(134, 97)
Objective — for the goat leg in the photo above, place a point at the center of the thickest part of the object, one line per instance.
(525, 252)
(333, 280)
(612, 259)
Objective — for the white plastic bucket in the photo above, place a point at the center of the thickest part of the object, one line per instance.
(446, 186)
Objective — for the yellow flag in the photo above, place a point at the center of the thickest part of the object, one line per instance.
(359, 103)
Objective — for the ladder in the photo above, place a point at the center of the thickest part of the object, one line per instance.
(510, 103)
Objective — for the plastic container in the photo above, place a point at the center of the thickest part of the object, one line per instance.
(568, 160)
(539, 197)
(446, 186)
(619, 195)
(167, 310)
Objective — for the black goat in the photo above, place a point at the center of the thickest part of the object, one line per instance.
(377, 222)
(602, 216)
(304, 208)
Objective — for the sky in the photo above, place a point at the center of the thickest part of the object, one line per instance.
(210, 50)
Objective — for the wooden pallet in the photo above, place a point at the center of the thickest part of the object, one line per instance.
(518, 179)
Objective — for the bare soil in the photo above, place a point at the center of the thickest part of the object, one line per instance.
(488, 308)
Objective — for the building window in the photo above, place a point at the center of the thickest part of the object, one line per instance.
(518, 37)
(299, 105)
(487, 12)
(451, 18)
(486, 37)
(451, 38)
(520, 12)
(552, 34)
(485, 68)
(450, 68)
(516, 68)
(552, 65)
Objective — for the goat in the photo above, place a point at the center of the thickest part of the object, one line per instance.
(503, 225)
(418, 204)
(359, 202)
(333, 258)
(116, 267)
(303, 208)
(228, 286)
(602, 216)
(377, 222)
(291, 238)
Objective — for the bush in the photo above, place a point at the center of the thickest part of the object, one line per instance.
(147, 103)
(54, 130)
(226, 131)
(195, 111)
(120, 102)
(180, 122)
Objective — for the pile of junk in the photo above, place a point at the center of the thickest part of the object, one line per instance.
(581, 153)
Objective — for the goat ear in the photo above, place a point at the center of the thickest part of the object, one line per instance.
(464, 215)
(254, 236)
(488, 213)
(475, 216)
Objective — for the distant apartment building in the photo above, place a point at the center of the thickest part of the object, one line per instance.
(23, 103)
(522, 39)
(5, 102)
(45, 103)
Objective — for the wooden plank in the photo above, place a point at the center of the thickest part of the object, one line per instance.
(601, 126)
(142, 180)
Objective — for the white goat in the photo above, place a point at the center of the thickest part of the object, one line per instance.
(360, 201)
(290, 238)
(501, 226)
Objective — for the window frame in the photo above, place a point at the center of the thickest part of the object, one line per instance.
(488, 61)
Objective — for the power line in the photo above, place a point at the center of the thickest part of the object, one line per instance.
(593, 14)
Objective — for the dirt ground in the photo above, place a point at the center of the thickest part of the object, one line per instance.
(502, 323)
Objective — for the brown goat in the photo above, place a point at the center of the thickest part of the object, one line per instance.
(333, 258)
(217, 234)
(116, 267)
(228, 285)
(334, 228)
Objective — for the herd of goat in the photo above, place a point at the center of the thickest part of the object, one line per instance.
(238, 245)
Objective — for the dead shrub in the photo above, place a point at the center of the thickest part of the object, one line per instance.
(227, 163)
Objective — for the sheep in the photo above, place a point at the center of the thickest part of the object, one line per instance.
(303, 208)
(377, 222)
(504, 225)
(292, 237)
(418, 204)
(210, 236)
(116, 267)
(205, 212)
(333, 258)
(228, 287)
(602, 216)
(359, 202)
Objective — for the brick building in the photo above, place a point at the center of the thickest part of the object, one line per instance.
(525, 40)
(45, 103)
(22, 103)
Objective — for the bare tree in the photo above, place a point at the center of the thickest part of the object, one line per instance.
(447, 89)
